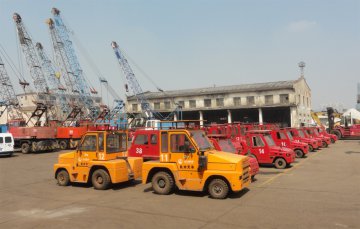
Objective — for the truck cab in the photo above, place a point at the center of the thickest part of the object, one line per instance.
(283, 138)
(322, 132)
(325, 141)
(188, 161)
(299, 136)
(264, 149)
(100, 159)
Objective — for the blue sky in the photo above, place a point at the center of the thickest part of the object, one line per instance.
(191, 44)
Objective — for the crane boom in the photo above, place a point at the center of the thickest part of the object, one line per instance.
(7, 95)
(32, 61)
(71, 66)
(134, 84)
(56, 86)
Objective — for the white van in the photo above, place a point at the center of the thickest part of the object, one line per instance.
(6, 144)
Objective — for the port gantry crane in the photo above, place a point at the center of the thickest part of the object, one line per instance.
(136, 88)
(37, 75)
(69, 65)
(7, 96)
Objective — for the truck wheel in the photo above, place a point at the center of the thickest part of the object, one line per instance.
(280, 163)
(100, 179)
(253, 156)
(162, 183)
(25, 148)
(299, 153)
(324, 144)
(63, 145)
(311, 148)
(63, 178)
(218, 189)
(337, 133)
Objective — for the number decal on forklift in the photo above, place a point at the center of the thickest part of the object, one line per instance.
(261, 151)
(138, 151)
(164, 158)
(283, 144)
(101, 156)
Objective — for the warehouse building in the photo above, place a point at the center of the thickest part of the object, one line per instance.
(284, 102)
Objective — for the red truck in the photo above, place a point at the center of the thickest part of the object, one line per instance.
(32, 139)
(283, 138)
(265, 150)
(299, 136)
(322, 132)
(312, 132)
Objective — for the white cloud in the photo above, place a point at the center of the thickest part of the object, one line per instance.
(301, 26)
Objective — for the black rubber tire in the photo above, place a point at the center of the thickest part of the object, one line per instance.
(299, 153)
(324, 144)
(311, 148)
(332, 140)
(63, 178)
(100, 179)
(63, 144)
(337, 133)
(25, 148)
(162, 183)
(280, 163)
(253, 178)
(218, 189)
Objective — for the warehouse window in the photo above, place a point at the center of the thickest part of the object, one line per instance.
(237, 101)
(269, 99)
(167, 104)
(220, 102)
(250, 100)
(134, 107)
(207, 102)
(284, 98)
(192, 103)
(157, 106)
(181, 104)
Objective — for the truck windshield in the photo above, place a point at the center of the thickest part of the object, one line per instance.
(201, 140)
(316, 132)
(289, 135)
(227, 146)
(301, 134)
(269, 140)
(116, 142)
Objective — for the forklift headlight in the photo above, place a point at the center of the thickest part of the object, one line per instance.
(288, 155)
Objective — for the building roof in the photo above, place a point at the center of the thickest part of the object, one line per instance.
(221, 89)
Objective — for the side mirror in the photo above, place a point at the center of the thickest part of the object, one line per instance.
(203, 162)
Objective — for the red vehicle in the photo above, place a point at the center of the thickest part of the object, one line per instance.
(264, 149)
(283, 138)
(307, 135)
(222, 143)
(350, 132)
(322, 132)
(32, 139)
(299, 136)
(312, 131)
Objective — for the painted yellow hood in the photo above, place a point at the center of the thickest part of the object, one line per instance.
(215, 156)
